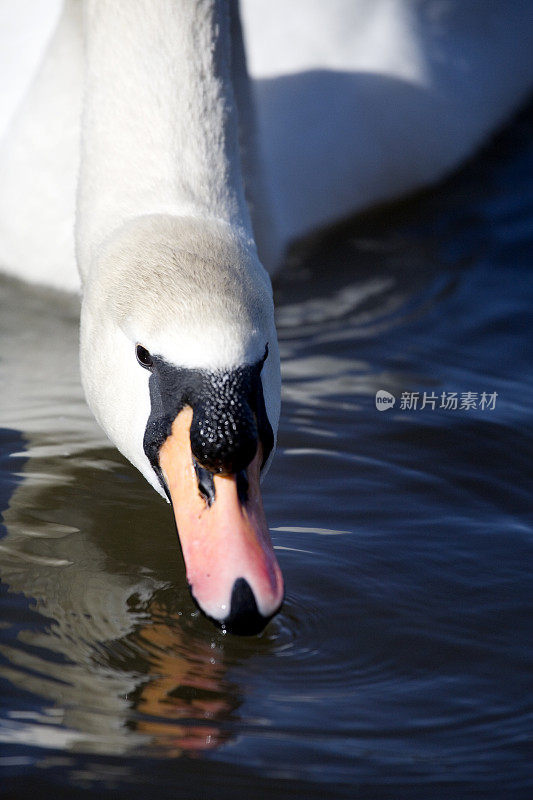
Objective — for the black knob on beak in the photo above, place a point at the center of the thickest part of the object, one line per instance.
(224, 437)
(224, 430)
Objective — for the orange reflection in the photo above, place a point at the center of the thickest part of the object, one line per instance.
(186, 683)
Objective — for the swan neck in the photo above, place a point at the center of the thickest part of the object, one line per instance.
(160, 127)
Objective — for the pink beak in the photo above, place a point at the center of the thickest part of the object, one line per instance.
(231, 567)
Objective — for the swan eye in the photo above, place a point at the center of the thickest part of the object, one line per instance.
(143, 357)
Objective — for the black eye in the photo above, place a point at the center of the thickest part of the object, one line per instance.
(143, 357)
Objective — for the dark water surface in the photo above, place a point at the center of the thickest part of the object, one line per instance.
(400, 666)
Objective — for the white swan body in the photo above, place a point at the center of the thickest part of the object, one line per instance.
(361, 101)
(358, 101)
(178, 345)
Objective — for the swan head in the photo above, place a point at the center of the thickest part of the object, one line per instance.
(180, 366)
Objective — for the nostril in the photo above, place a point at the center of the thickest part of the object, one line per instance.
(206, 484)
(244, 618)
(242, 486)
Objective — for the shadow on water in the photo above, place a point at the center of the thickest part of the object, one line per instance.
(400, 662)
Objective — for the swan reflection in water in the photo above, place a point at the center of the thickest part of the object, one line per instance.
(108, 651)
(182, 687)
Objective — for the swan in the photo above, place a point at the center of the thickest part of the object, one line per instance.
(137, 155)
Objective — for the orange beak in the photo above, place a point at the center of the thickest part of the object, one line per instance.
(231, 567)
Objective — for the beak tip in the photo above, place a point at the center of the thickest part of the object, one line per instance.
(244, 618)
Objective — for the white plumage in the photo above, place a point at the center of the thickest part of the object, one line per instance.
(357, 101)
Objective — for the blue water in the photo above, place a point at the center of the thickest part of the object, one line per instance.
(400, 665)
